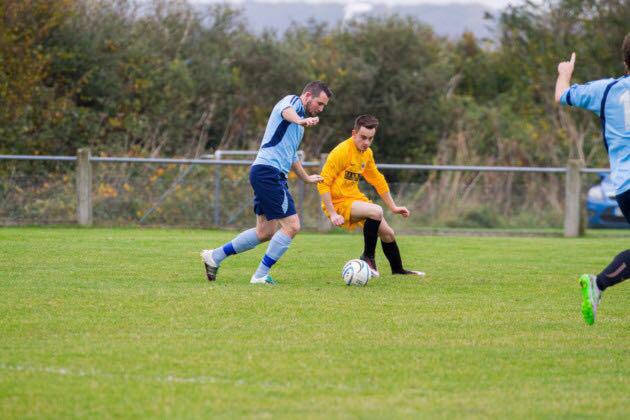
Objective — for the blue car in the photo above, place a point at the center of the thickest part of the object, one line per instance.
(602, 208)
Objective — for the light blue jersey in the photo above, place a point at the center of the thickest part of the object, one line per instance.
(610, 100)
(280, 144)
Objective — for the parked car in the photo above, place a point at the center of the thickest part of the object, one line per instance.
(601, 206)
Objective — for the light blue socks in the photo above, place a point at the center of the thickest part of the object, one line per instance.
(277, 247)
(243, 242)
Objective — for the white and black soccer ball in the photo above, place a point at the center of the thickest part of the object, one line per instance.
(356, 273)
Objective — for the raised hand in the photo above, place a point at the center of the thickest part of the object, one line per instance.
(565, 68)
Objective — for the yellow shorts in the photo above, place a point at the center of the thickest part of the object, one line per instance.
(344, 208)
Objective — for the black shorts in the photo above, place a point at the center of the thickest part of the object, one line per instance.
(624, 204)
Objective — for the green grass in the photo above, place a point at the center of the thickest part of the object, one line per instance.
(122, 323)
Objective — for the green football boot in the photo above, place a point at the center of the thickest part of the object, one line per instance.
(591, 295)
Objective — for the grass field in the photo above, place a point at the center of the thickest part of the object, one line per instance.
(122, 323)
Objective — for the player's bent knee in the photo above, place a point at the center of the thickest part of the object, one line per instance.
(377, 213)
(291, 230)
(295, 228)
(291, 227)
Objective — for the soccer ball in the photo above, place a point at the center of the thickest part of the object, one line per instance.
(356, 272)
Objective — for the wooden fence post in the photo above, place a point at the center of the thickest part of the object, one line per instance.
(573, 199)
(84, 187)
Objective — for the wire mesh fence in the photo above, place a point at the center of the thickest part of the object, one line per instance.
(170, 194)
(37, 192)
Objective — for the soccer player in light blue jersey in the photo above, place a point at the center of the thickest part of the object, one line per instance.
(610, 100)
(276, 218)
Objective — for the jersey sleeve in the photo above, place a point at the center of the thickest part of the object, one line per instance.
(374, 177)
(588, 96)
(291, 101)
(331, 170)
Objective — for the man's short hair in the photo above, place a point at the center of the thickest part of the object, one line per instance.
(626, 51)
(367, 121)
(316, 88)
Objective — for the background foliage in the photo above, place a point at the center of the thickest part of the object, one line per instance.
(163, 78)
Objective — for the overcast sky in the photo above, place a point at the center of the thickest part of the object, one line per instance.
(497, 4)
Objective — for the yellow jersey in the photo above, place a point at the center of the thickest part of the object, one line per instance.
(342, 169)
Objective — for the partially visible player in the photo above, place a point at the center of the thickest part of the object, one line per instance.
(346, 206)
(610, 100)
(276, 218)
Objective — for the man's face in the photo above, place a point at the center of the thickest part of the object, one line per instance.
(315, 104)
(363, 138)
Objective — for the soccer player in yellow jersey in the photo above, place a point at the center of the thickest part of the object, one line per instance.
(346, 206)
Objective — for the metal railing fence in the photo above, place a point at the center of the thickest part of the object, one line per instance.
(85, 167)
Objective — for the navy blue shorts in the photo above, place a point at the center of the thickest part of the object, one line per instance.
(271, 192)
(624, 204)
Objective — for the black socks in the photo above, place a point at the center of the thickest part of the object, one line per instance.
(616, 272)
(391, 251)
(370, 236)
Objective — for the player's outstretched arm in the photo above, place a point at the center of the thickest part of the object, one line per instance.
(301, 173)
(290, 115)
(331, 170)
(565, 71)
(387, 199)
(335, 218)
